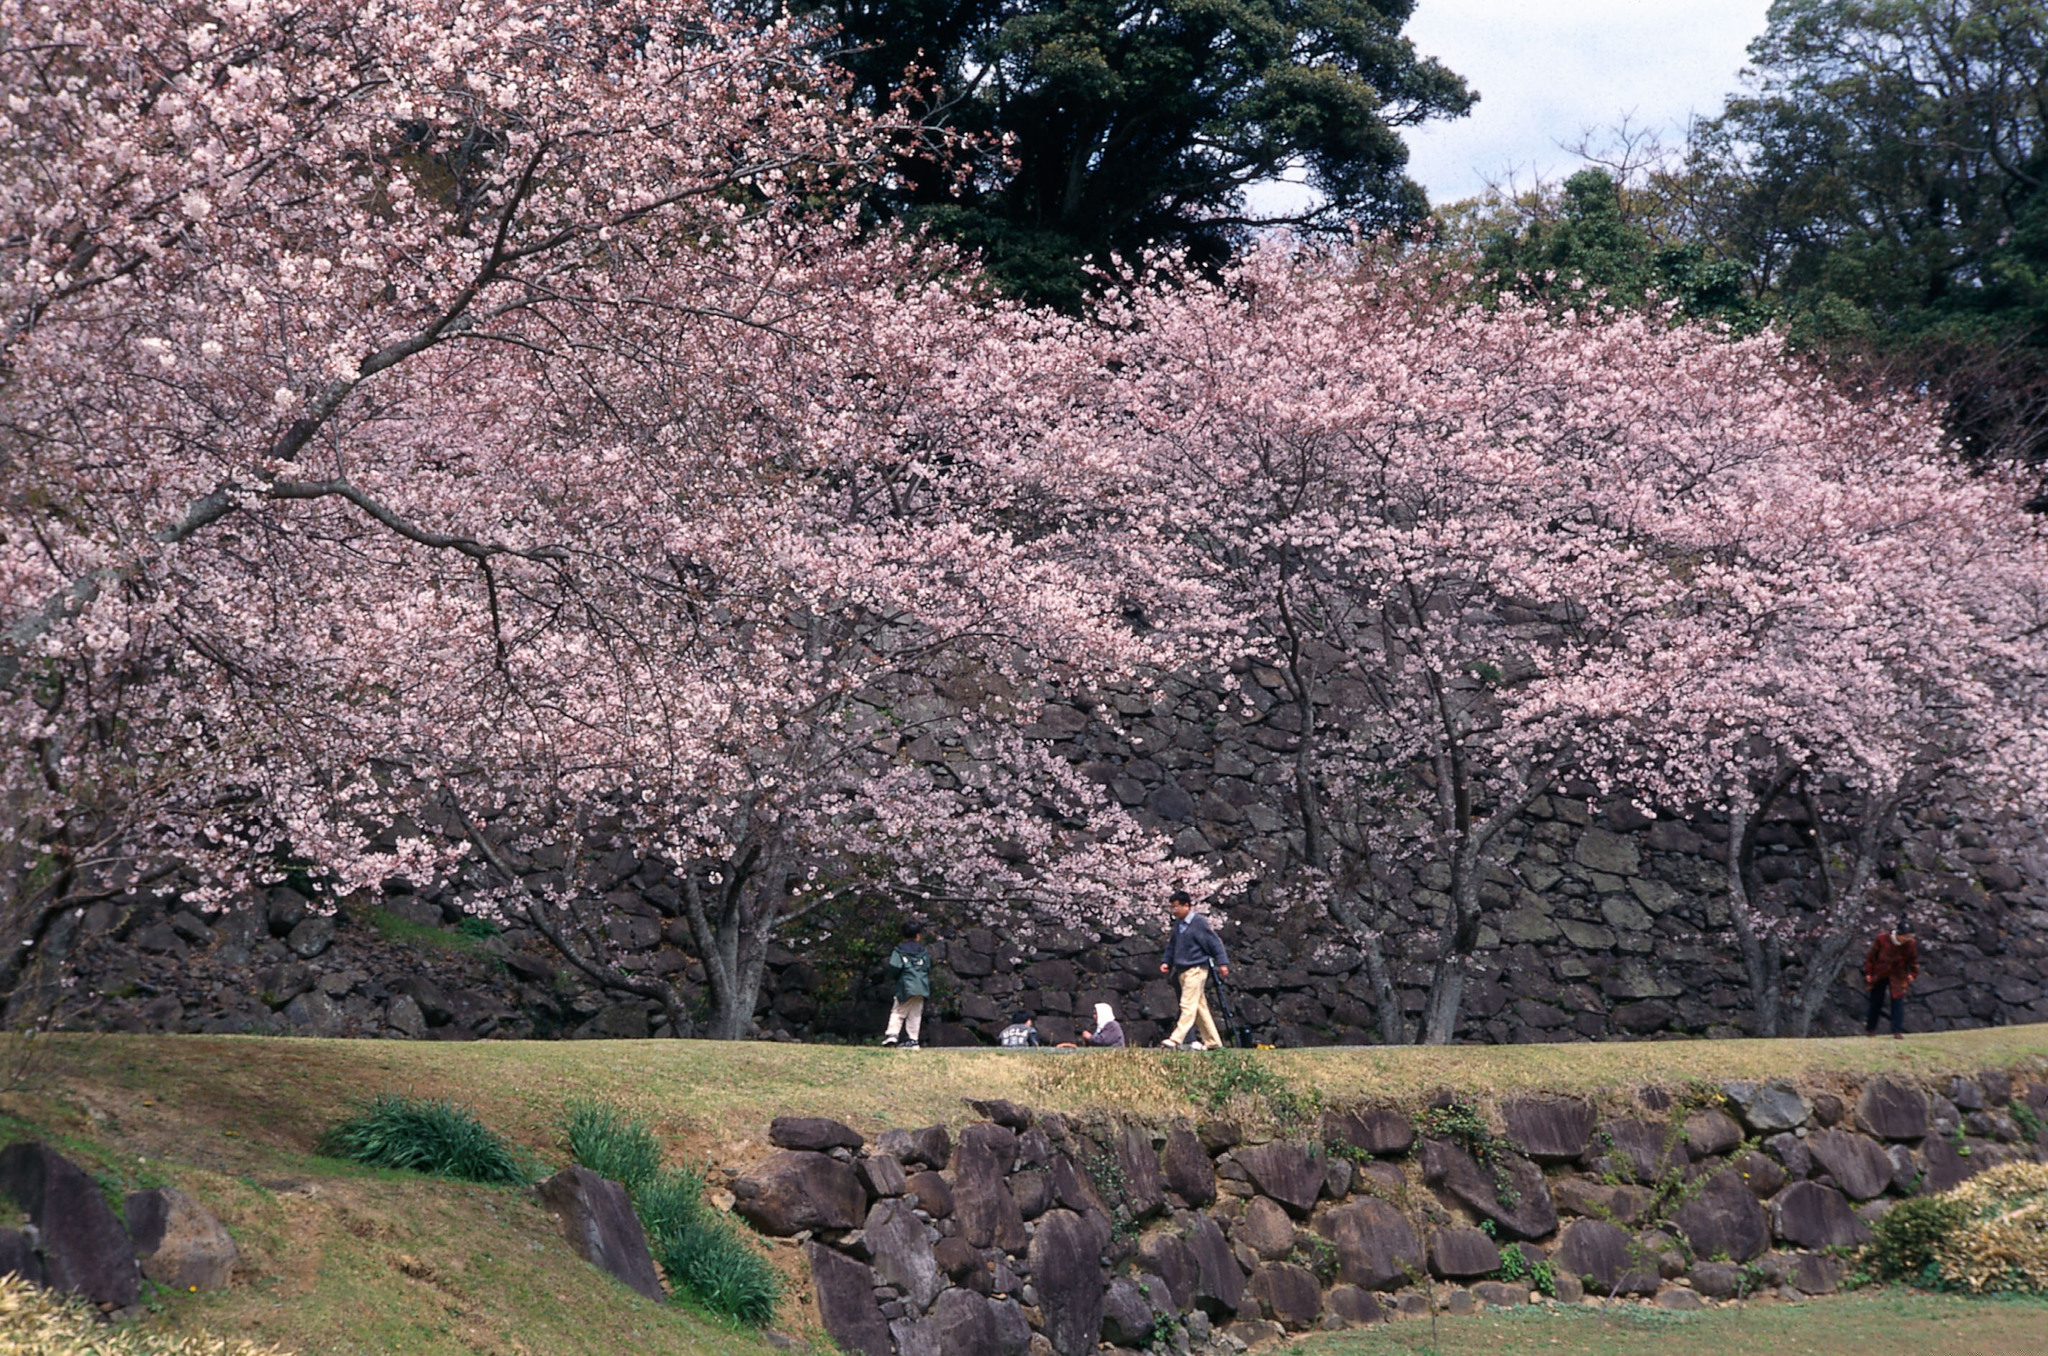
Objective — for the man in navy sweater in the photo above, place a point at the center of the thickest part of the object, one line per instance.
(1191, 946)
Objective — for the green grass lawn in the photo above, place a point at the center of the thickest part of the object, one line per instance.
(342, 1259)
(1887, 1323)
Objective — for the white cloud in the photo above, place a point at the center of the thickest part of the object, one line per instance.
(1549, 71)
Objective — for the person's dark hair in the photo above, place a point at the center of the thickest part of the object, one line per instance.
(1902, 924)
(912, 929)
(1019, 1017)
(1180, 897)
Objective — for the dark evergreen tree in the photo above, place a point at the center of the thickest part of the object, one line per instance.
(1108, 127)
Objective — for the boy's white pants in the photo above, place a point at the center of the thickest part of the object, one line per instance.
(906, 1013)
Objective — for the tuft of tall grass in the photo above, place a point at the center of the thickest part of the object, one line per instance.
(705, 1258)
(426, 1135)
(609, 1143)
(708, 1260)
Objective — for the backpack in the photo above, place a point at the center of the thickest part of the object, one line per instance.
(914, 972)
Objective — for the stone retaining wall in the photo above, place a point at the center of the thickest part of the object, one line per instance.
(1600, 924)
(1044, 1235)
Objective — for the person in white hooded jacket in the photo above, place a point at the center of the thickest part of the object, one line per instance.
(1107, 1031)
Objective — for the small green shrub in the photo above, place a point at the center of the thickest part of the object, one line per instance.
(2029, 1122)
(479, 928)
(669, 1200)
(604, 1140)
(1516, 1266)
(423, 1135)
(708, 1260)
(705, 1257)
(1906, 1244)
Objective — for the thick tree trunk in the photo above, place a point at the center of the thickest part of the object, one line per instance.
(1459, 937)
(1841, 901)
(1761, 957)
(733, 943)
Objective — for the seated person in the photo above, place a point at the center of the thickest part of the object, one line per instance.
(1021, 1033)
(1108, 1032)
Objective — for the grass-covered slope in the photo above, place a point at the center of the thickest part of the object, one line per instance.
(342, 1258)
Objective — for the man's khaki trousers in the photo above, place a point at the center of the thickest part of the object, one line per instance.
(1194, 1007)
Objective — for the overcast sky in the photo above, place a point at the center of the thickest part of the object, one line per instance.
(1549, 71)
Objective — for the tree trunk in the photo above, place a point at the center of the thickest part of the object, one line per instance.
(1446, 995)
(733, 944)
(1459, 937)
(1842, 902)
(1361, 919)
(1761, 959)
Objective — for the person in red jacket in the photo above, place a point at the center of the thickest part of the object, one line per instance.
(1892, 963)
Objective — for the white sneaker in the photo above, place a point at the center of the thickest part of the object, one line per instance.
(888, 1041)
(1170, 1045)
(1196, 1045)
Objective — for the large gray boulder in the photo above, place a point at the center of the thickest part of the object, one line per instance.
(1810, 1215)
(1381, 1130)
(798, 1189)
(85, 1249)
(1126, 1315)
(1376, 1245)
(1617, 1204)
(1549, 1129)
(1460, 1254)
(1291, 1174)
(1166, 1256)
(1144, 1193)
(1605, 1258)
(1528, 1213)
(1219, 1283)
(930, 1193)
(1287, 1294)
(1032, 1190)
(1066, 1271)
(982, 1202)
(1190, 1174)
(1265, 1228)
(901, 1252)
(598, 1219)
(816, 1133)
(1647, 1149)
(1002, 1111)
(178, 1241)
(1944, 1168)
(963, 1323)
(1892, 1110)
(846, 1302)
(1766, 1108)
(1724, 1219)
(881, 1174)
(1859, 1166)
(930, 1147)
(1353, 1307)
(1711, 1132)
(1072, 1188)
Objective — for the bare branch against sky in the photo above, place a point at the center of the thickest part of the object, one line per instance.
(1550, 71)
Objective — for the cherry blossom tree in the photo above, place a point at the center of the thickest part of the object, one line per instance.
(1884, 656)
(232, 233)
(487, 413)
(1482, 550)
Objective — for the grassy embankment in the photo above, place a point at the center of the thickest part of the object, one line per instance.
(344, 1259)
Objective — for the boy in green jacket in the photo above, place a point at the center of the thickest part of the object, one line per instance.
(913, 967)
